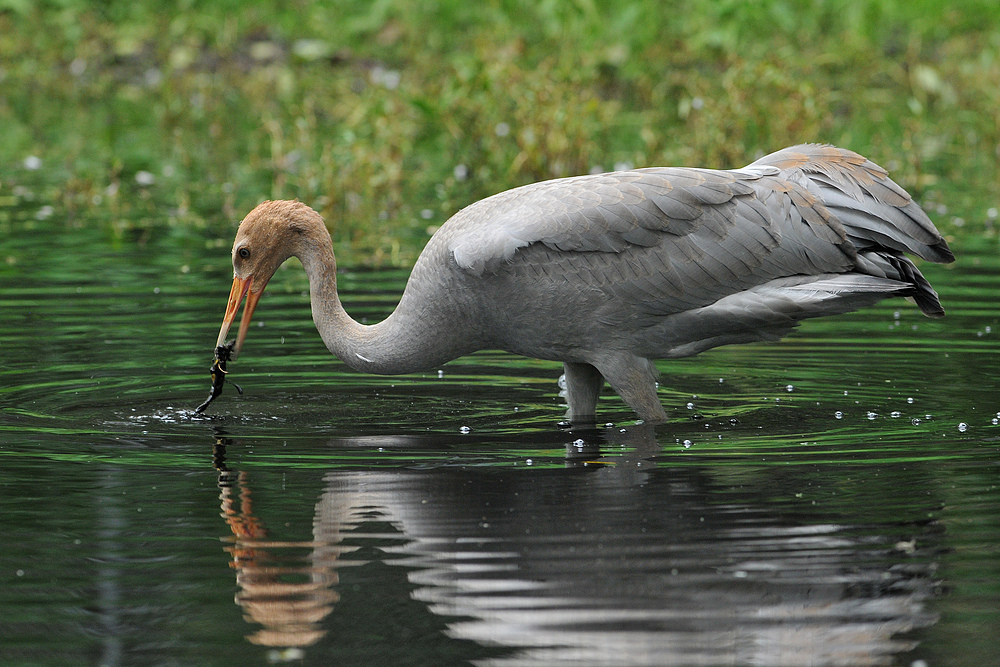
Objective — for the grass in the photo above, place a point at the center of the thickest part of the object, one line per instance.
(178, 117)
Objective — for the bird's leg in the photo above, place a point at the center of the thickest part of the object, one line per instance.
(583, 386)
(634, 378)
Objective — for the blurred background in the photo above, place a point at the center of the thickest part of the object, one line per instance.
(177, 117)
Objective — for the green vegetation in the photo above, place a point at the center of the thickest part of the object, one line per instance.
(388, 116)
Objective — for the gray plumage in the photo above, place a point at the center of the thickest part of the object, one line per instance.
(608, 272)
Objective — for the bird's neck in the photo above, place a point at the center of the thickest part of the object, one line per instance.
(407, 341)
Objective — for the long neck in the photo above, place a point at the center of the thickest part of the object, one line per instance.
(410, 339)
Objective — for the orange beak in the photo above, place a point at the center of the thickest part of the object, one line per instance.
(241, 287)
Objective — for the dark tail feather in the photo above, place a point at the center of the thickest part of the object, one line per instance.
(899, 267)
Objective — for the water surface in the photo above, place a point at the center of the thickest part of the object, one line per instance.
(829, 500)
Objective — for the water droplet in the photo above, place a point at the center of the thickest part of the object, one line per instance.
(721, 380)
(915, 421)
(465, 429)
(895, 413)
(963, 427)
(845, 392)
(690, 406)
(789, 387)
(33, 163)
(995, 421)
(529, 462)
(872, 415)
(502, 129)
(687, 444)
(579, 442)
(909, 400)
(609, 425)
(440, 374)
(838, 414)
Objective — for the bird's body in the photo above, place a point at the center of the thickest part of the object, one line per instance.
(608, 272)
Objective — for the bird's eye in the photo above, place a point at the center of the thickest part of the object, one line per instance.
(243, 252)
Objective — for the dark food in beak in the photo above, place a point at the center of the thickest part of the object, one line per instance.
(223, 353)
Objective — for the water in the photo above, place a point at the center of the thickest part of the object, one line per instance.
(326, 517)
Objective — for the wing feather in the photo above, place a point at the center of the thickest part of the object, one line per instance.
(860, 185)
(658, 241)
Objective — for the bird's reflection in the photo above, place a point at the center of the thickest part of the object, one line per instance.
(625, 564)
(287, 595)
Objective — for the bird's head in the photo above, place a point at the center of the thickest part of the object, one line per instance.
(270, 234)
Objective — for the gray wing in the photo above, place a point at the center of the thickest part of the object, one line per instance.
(875, 211)
(665, 240)
(881, 219)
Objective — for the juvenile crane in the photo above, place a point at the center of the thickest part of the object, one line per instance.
(608, 272)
